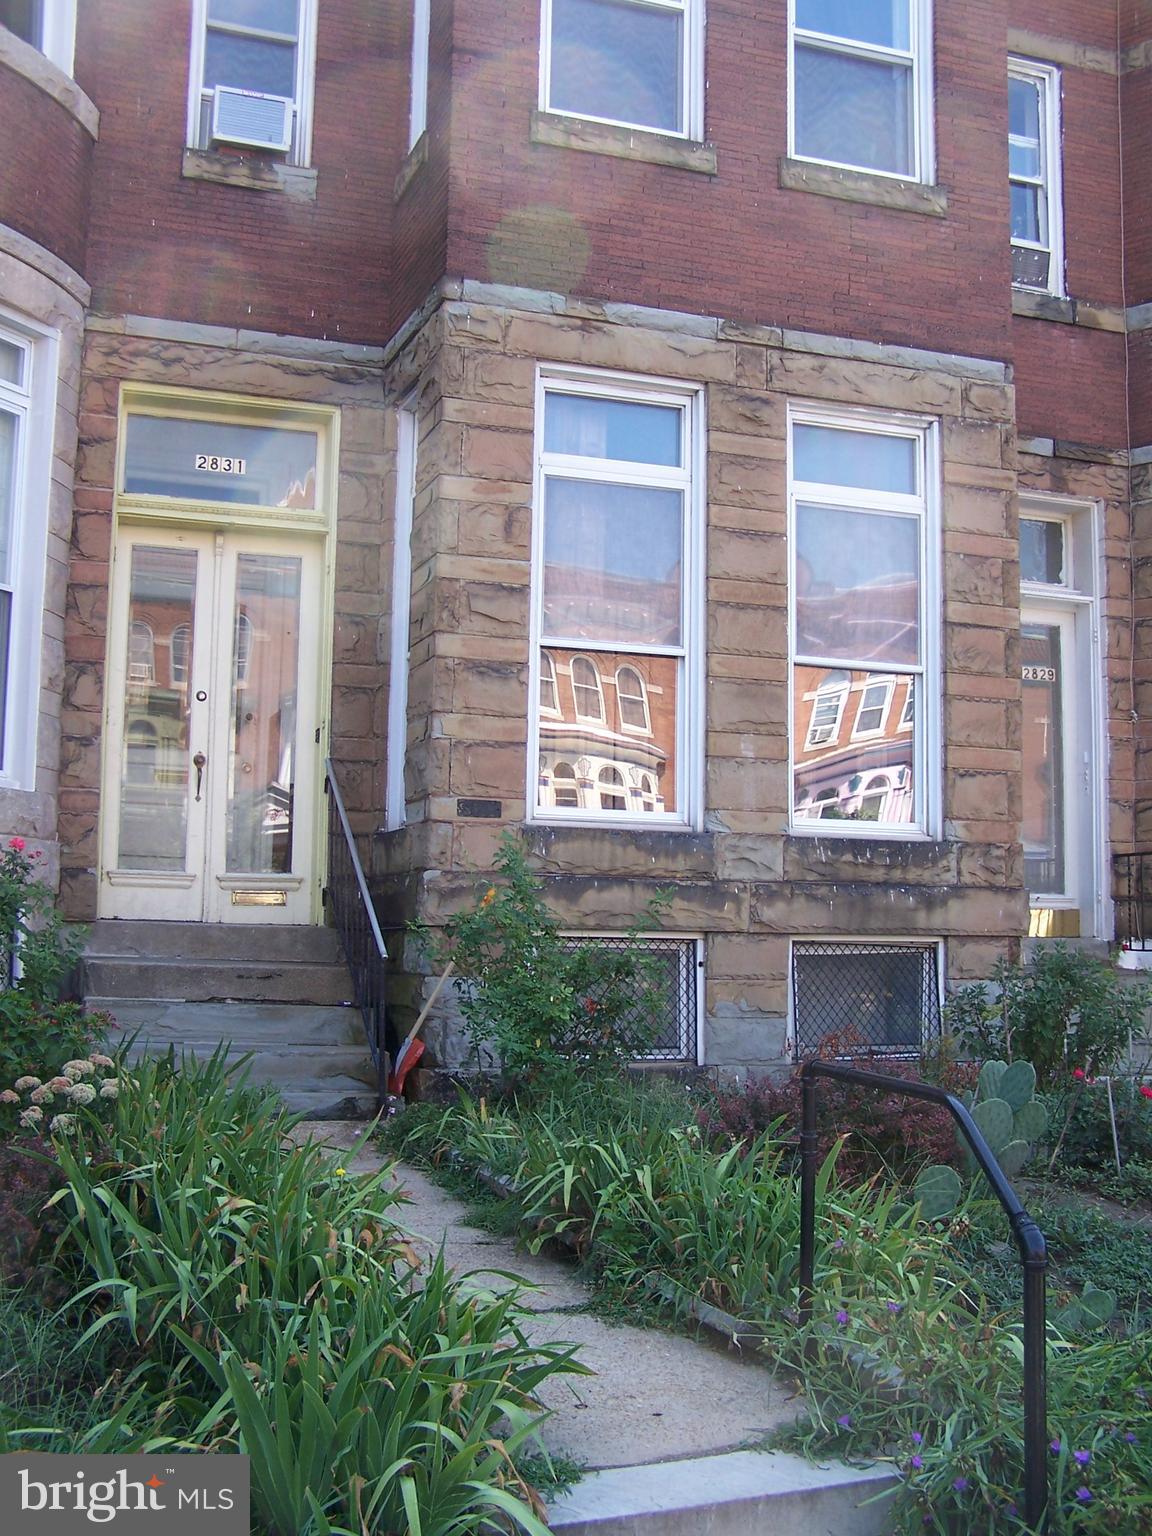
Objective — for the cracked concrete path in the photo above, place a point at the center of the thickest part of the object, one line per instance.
(654, 1397)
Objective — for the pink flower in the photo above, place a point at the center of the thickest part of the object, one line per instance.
(1146, 1091)
(1078, 1075)
(16, 844)
(8, 1097)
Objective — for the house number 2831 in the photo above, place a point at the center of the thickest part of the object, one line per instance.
(219, 465)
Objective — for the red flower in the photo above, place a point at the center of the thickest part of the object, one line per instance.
(16, 844)
(1078, 1075)
(1146, 1091)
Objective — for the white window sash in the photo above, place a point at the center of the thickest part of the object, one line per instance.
(689, 479)
(917, 57)
(926, 671)
(418, 76)
(395, 806)
(304, 90)
(691, 70)
(1050, 180)
(58, 33)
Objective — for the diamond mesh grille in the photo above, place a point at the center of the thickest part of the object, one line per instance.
(865, 999)
(672, 966)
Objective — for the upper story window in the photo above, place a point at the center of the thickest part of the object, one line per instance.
(1034, 175)
(27, 374)
(861, 85)
(634, 62)
(418, 77)
(251, 75)
(616, 606)
(865, 574)
(49, 25)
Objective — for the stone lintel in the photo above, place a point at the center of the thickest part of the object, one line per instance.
(1033, 304)
(863, 187)
(42, 260)
(28, 62)
(153, 328)
(564, 132)
(1057, 50)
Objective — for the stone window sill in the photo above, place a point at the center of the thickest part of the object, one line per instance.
(1036, 305)
(862, 187)
(415, 158)
(257, 175)
(625, 143)
(28, 62)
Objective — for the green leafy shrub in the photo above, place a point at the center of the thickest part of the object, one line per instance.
(547, 1008)
(1063, 1011)
(1080, 1109)
(255, 1297)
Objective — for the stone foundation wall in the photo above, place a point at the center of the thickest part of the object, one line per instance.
(277, 368)
(743, 882)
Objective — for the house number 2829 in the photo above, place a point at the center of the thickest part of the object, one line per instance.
(219, 465)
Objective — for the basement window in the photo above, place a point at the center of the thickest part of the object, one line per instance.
(675, 969)
(864, 999)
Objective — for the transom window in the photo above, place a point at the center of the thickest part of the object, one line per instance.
(861, 84)
(220, 461)
(636, 62)
(614, 625)
(864, 571)
(1044, 552)
(1034, 175)
(251, 75)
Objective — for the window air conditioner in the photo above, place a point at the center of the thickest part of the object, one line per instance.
(249, 117)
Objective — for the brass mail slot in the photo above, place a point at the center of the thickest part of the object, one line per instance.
(259, 898)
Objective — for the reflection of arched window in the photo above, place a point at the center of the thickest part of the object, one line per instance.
(827, 709)
(243, 644)
(872, 800)
(181, 646)
(647, 792)
(586, 689)
(564, 785)
(828, 802)
(549, 699)
(612, 796)
(140, 752)
(141, 653)
(632, 698)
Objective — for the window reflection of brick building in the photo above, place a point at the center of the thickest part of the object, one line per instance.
(854, 745)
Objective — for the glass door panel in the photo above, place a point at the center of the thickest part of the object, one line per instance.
(155, 741)
(1046, 821)
(262, 750)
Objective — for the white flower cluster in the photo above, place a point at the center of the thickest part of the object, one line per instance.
(78, 1085)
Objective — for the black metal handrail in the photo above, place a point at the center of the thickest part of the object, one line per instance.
(354, 917)
(1029, 1240)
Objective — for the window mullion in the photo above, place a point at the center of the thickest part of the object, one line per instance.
(236, 29)
(833, 44)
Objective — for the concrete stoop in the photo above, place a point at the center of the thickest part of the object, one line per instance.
(281, 996)
(737, 1493)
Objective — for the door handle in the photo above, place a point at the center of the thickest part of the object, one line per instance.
(199, 762)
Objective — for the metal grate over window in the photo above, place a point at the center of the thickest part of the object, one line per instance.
(873, 999)
(673, 965)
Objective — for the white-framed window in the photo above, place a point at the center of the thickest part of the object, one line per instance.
(399, 662)
(867, 997)
(28, 362)
(418, 74)
(864, 603)
(180, 655)
(861, 85)
(828, 700)
(1034, 176)
(639, 63)
(872, 715)
(49, 25)
(251, 75)
(616, 600)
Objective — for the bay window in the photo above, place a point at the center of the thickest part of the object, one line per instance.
(861, 85)
(615, 605)
(865, 578)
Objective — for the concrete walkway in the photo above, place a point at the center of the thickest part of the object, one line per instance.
(655, 1396)
(660, 1425)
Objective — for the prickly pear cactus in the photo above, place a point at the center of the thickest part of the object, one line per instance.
(938, 1189)
(988, 1086)
(994, 1118)
(1017, 1085)
(1093, 1309)
(1030, 1122)
(1013, 1157)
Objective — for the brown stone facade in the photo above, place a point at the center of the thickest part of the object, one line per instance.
(285, 370)
(743, 881)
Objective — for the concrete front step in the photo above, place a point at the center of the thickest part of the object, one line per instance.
(737, 1493)
(209, 980)
(212, 941)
